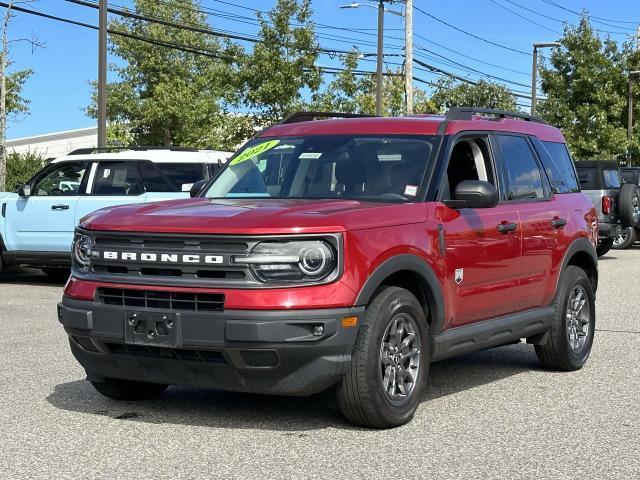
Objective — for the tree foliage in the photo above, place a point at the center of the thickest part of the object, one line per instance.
(17, 105)
(21, 167)
(585, 82)
(449, 92)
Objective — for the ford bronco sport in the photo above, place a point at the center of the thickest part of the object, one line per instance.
(348, 252)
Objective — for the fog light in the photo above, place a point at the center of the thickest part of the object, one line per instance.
(317, 331)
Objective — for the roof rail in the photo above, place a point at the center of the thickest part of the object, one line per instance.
(299, 117)
(466, 113)
(89, 150)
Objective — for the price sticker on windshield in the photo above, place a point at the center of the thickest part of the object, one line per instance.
(254, 151)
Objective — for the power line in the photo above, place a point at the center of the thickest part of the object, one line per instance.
(524, 17)
(473, 35)
(602, 21)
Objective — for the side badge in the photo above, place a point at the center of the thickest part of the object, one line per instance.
(459, 275)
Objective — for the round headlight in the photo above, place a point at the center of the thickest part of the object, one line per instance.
(313, 260)
(82, 246)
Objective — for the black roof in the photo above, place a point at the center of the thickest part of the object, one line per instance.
(597, 164)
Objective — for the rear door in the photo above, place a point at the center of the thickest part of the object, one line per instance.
(45, 221)
(542, 216)
(112, 183)
(483, 246)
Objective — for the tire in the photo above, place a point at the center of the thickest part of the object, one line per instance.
(624, 239)
(568, 348)
(604, 246)
(128, 389)
(362, 396)
(57, 274)
(629, 205)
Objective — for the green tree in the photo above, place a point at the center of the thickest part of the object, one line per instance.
(585, 85)
(449, 92)
(166, 95)
(283, 64)
(17, 104)
(21, 167)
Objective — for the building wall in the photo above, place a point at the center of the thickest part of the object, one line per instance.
(57, 144)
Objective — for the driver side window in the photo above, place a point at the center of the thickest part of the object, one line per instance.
(470, 160)
(62, 179)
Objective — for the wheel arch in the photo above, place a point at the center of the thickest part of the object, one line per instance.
(414, 274)
(581, 253)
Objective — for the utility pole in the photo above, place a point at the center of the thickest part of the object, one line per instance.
(3, 98)
(408, 55)
(102, 74)
(534, 72)
(379, 57)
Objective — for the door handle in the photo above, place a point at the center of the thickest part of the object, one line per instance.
(60, 207)
(558, 222)
(506, 227)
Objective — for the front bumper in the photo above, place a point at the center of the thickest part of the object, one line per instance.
(273, 352)
(608, 230)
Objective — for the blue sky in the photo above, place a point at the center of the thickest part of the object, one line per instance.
(59, 88)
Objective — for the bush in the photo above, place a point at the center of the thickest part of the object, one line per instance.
(21, 167)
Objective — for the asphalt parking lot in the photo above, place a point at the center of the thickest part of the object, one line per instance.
(492, 414)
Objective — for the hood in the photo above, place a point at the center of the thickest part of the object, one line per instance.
(253, 217)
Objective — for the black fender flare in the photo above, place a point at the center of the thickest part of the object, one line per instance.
(421, 268)
(581, 245)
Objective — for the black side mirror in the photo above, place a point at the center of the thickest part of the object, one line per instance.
(24, 190)
(476, 194)
(196, 187)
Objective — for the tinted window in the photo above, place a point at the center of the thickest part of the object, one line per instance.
(523, 175)
(336, 166)
(61, 179)
(155, 181)
(183, 174)
(587, 177)
(629, 176)
(118, 178)
(612, 178)
(558, 165)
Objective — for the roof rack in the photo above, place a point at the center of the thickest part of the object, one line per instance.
(89, 150)
(466, 113)
(299, 117)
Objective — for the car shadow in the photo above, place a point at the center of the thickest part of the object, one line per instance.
(210, 408)
(29, 276)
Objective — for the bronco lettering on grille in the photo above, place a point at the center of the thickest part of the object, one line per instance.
(161, 257)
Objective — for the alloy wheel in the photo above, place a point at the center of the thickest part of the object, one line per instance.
(578, 318)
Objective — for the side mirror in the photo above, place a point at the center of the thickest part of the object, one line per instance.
(476, 194)
(196, 187)
(24, 190)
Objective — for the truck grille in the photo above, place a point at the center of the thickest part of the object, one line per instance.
(182, 301)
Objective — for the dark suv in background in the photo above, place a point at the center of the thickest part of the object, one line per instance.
(629, 235)
(616, 202)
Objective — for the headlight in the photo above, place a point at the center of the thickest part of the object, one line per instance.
(296, 261)
(81, 252)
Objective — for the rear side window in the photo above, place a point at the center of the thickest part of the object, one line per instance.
(587, 177)
(154, 180)
(118, 178)
(558, 164)
(628, 176)
(524, 180)
(612, 178)
(183, 175)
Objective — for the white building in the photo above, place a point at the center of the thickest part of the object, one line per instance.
(56, 144)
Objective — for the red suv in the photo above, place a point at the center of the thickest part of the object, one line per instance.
(348, 252)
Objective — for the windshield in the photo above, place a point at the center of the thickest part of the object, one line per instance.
(327, 166)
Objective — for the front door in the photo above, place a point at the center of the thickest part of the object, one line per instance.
(45, 221)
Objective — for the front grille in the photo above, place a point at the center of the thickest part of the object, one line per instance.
(168, 353)
(196, 302)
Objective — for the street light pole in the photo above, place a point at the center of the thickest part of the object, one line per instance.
(630, 113)
(102, 74)
(534, 72)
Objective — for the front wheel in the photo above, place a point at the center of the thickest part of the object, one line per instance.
(571, 334)
(624, 239)
(390, 362)
(128, 389)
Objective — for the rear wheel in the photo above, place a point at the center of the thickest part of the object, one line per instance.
(128, 389)
(624, 239)
(604, 246)
(570, 337)
(390, 362)
(629, 205)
